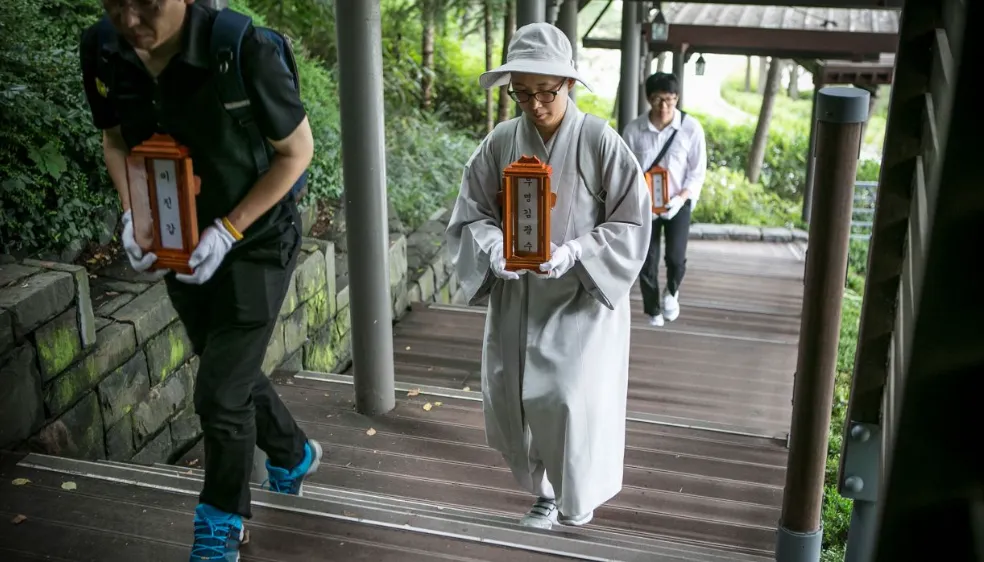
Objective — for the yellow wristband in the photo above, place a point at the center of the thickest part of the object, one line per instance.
(232, 230)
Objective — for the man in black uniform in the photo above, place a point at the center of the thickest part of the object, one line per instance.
(162, 81)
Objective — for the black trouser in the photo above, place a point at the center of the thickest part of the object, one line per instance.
(229, 320)
(677, 233)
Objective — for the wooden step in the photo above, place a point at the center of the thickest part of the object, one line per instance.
(698, 486)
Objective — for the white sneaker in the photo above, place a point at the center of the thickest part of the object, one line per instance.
(577, 520)
(656, 320)
(542, 515)
(671, 306)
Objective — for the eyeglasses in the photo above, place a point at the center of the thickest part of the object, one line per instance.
(669, 101)
(545, 96)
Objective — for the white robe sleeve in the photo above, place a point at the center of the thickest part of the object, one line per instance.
(474, 228)
(613, 252)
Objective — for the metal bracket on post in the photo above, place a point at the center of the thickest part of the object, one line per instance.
(860, 481)
(862, 456)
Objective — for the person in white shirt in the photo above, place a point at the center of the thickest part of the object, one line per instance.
(668, 137)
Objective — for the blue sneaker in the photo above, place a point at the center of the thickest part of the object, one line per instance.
(284, 482)
(217, 535)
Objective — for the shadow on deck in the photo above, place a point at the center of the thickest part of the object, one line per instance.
(709, 411)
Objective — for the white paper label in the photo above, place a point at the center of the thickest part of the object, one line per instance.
(658, 190)
(527, 215)
(166, 183)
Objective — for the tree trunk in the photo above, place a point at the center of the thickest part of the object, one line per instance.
(505, 102)
(759, 141)
(489, 46)
(763, 71)
(793, 91)
(427, 10)
(748, 73)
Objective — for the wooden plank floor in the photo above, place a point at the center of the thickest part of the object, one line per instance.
(726, 362)
(725, 366)
(680, 483)
(102, 521)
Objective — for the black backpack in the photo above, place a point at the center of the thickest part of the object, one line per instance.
(228, 31)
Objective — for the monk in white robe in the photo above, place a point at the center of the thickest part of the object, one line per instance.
(555, 359)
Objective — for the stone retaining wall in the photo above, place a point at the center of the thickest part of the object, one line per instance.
(739, 232)
(430, 274)
(100, 367)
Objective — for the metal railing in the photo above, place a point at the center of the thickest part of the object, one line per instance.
(863, 214)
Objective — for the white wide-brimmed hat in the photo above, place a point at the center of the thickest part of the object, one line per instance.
(536, 48)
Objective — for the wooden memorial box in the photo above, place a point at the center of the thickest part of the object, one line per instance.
(163, 188)
(527, 202)
(657, 178)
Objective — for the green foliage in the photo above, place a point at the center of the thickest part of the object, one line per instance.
(425, 153)
(594, 104)
(837, 509)
(51, 173)
(784, 168)
(793, 115)
(727, 197)
(424, 162)
(319, 93)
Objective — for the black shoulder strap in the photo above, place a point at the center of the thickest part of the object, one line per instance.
(592, 129)
(666, 147)
(228, 31)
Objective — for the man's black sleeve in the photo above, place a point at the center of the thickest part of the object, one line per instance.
(103, 113)
(275, 102)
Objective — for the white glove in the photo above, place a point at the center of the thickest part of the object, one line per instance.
(498, 263)
(139, 261)
(673, 207)
(212, 249)
(562, 259)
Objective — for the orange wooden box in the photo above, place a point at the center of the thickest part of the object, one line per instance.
(163, 187)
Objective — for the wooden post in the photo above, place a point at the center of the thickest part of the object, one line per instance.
(841, 113)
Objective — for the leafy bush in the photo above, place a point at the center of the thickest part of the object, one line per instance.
(727, 197)
(52, 180)
(425, 153)
(319, 92)
(424, 161)
(784, 168)
(836, 513)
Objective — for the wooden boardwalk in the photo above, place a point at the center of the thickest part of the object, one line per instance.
(709, 411)
(709, 408)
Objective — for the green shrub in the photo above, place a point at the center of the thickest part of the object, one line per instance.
(53, 185)
(319, 93)
(424, 161)
(727, 197)
(425, 153)
(784, 166)
(836, 513)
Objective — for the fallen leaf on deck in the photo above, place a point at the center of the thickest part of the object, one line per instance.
(69, 486)
(350, 514)
(192, 462)
(371, 432)
(18, 519)
(427, 406)
(438, 403)
(413, 392)
(467, 389)
(20, 481)
(111, 293)
(408, 348)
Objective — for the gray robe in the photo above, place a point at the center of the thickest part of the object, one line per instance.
(555, 360)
